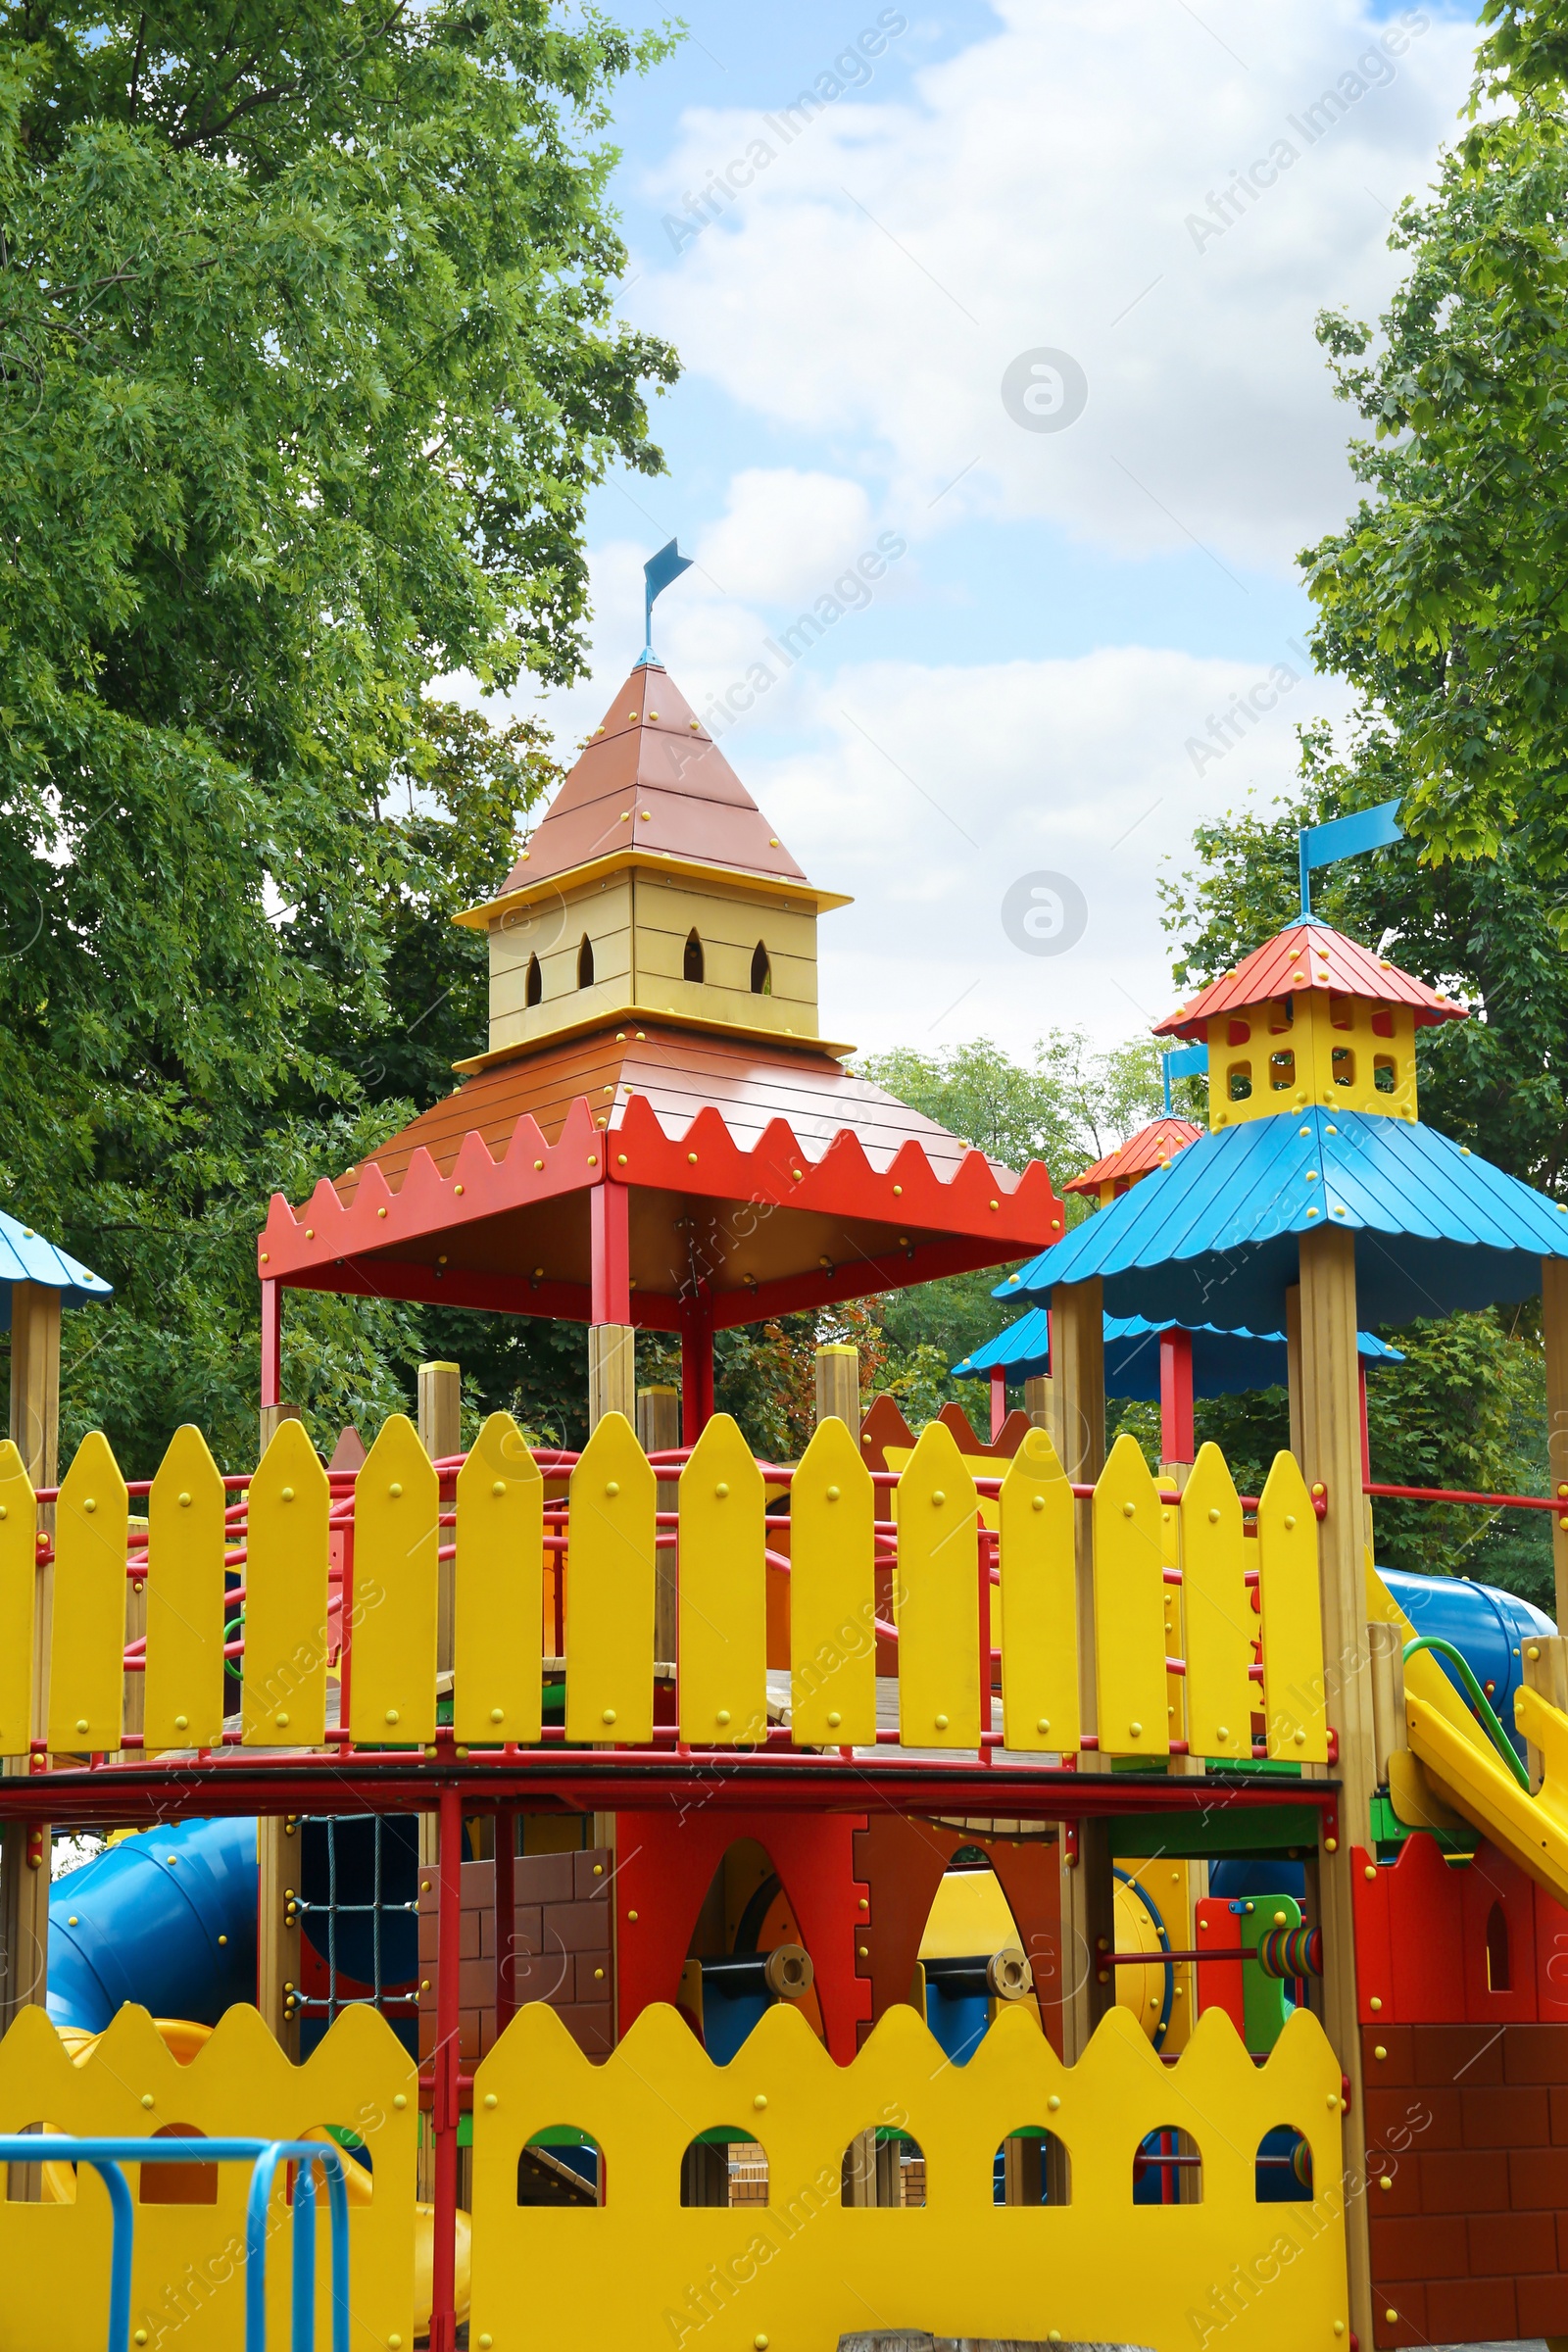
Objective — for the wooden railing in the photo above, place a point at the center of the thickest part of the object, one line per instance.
(1162, 1626)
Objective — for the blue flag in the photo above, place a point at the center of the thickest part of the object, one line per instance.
(658, 573)
(1346, 837)
(1183, 1061)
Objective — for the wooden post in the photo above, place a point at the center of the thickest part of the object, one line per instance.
(270, 1419)
(1078, 1430)
(837, 1385)
(1292, 1363)
(1331, 1458)
(1037, 1399)
(25, 1845)
(658, 1432)
(441, 1436)
(612, 1372)
(277, 1938)
(1088, 1935)
(1386, 1646)
(1554, 1331)
(1544, 1665)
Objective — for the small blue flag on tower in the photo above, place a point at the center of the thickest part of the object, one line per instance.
(1346, 837)
(658, 573)
(1183, 1061)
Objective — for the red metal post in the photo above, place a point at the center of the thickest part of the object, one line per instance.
(998, 1402)
(445, 2103)
(506, 1921)
(1176, 1439)
(272, 1342)
(696, 1364)
(609, 1247)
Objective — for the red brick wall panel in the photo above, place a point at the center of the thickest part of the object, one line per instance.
(1473, 2311)
(1502, 2117)
(1464, 2054)
(1544, 2306)
(1421, 2246)
(1464, 2180)
(1407, 2298)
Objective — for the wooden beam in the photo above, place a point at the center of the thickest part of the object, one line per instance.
(1078, 1432)
(1037, 1399)
(612, 1372)
(1331, 1457)
(35, 1379)
(1554, 1331)
(277, 1939)
(658, 1432)
(440, 1410)
(838, 1387)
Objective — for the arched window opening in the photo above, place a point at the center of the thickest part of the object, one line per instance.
(1341, 1012)
(725, 2165)
(691, 963)
(1499, 1970)
(1239, 1081)
(535, 990)
(1382, 1021)
(761, 973)
(1031, 2168)
(883, 2165)
(562, 2165)
(585, 963)
(178, 2183)
(1384, 1076)
(1282, 1015)
(1282, 1071)
(1238, 1033)
(1344, 1065)
(1284, 2167)
(1168, 2169)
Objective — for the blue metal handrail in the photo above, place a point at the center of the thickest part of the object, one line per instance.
(106, 2157)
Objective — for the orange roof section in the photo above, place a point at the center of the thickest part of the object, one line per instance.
(652, 780)
(1152, 1147)
(1307, 955)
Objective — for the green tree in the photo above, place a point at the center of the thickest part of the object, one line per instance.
(308, 364)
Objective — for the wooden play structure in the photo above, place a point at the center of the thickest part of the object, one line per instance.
(973, 1887)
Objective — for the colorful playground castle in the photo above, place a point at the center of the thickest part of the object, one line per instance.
(953, 1887)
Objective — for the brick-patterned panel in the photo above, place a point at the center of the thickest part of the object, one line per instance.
(563, 1944)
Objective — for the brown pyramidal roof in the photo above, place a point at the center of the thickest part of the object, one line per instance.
(652, 779)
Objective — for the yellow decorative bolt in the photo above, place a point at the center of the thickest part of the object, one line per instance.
(761, 2100)
(610, 1715)
(1054, 2102)
(490, 2099)
(942, 1722)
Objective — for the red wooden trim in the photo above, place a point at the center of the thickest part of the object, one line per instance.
(1176, 1439)
(610, 1246)
(696, 1364)
(856, 1278)
(271, 1343)
(998, 1402)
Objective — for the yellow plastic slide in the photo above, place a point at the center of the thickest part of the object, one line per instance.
(1464, 1768)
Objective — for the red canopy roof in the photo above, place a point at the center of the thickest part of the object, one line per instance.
(1306, 955)
(1152, 1147)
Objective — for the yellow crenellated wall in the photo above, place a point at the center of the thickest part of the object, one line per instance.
(641, 2270)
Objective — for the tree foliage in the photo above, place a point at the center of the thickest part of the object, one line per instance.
(308, 364)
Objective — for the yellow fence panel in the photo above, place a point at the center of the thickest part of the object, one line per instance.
(1294, 1711)
(87, 1636)
(937, 1600)
(609, 1588)
(285, 1692)
(1216, 1612)
(1129, 1607)
(397, 1503)
(833, 1594)
(1040, 1586)
(499, 1595)
(18, 1585)
(812, 2267)
(722, 1593)
(184, 1701)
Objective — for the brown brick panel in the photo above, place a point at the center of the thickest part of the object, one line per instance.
(1498, 2115)
(1473, 2311)
(1407, 2298)
(1544, 2306)
(1466, 2180)
(1418, 2246)
(1471, 2055)
(1535, 2054)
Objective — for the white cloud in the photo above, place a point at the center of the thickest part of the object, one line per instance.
(1052, 188)
(783, 534)
(928, 792)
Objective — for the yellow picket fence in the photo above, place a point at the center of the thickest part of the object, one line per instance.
(1166, 1607)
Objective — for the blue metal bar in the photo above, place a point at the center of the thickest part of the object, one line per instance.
(107, 2156)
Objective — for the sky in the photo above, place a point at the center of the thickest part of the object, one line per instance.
(1000, 369)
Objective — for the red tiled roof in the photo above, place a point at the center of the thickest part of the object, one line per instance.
(1306, 955)
(1152, 1147)
(652, 778)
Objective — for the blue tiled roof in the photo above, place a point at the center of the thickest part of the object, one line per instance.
(26, 1256)
(1212, 1239)
(1223, 1362)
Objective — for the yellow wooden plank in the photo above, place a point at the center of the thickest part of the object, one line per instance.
(183, 1695)
(1039, 1582)
(723, 1591)
(1294, 1708)
(397, 1503)
(19, 1583)
(1129, 1607)
(500, 1588)
(283, 1696)
(87, 1639)
(833, 1594)
(1218, 1615)
(609, 1588)
(937, 1600)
